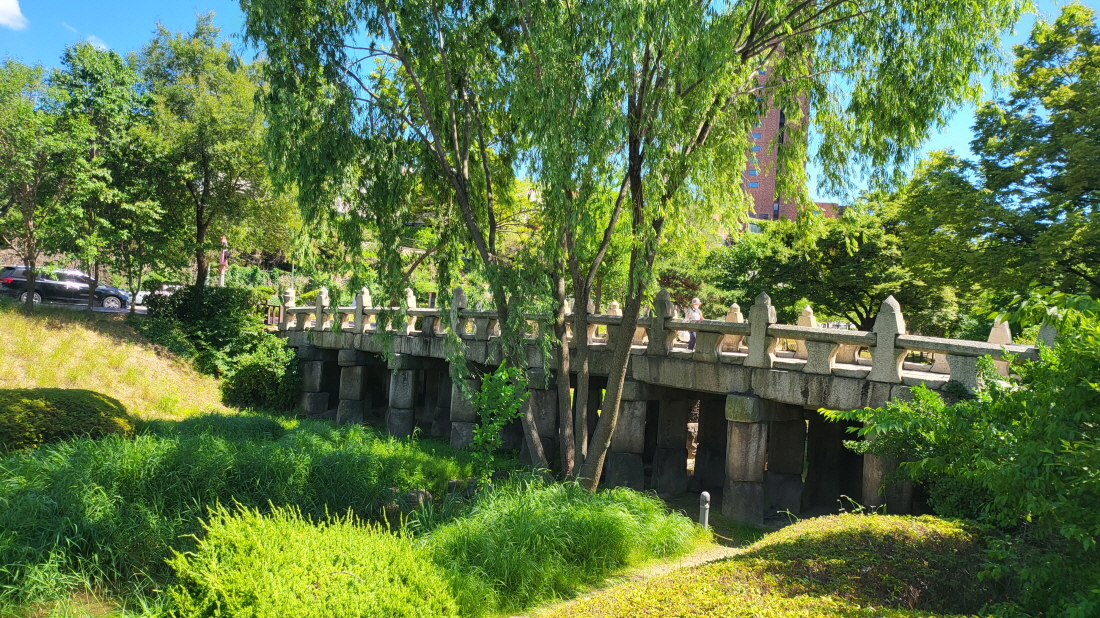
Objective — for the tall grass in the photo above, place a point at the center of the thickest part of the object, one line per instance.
(62, 348)
(529, 542)
(108, 513)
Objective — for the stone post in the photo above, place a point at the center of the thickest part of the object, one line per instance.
(320, 382)
(463, 415)
(746, 458)
(458, 305)
(287, 319)
(732, 343)
(441, 426)
(624, 467)
(362, 302)
(670, 458)
(661, 339)
(761, 344)
(806, 319)
(613, 331)
(886, 360)
(640, 333)
(355, 397)
(591, 328)
(1000, 334)
(410, 303)
(320, 321)
(400, 411)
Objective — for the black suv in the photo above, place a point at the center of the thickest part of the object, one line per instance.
(60, 286)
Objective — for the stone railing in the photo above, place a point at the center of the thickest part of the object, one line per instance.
(749, 342)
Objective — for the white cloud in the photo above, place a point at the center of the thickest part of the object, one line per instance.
(94, 40)
(11, 16)
(69, 28)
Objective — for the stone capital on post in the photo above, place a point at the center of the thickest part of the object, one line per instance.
(805, 319)
(1000, 334)
(761, 344)
(319, 321)
(613, 331)
(660, 338)
(458, 305)
(732, 343)
(289, 298)
(886, 359)
(362, 301)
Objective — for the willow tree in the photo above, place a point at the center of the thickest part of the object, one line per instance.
(657, 100)
(411, 90)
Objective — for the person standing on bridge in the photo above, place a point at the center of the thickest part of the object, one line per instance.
(693, 313)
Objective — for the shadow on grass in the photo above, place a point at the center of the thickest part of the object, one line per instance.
(916, 563)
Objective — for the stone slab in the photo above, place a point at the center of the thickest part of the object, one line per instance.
(313, 405)
(462, 409)
(670, 470)
(350, 412)
(744, 502)
(313, 376)
(399, 422)
(544, 404)
(746, 451)
(462, 434)
(672, 422)
(629, 434)
(402, 388)
(624, 470)
(786, 447)
(353, 382)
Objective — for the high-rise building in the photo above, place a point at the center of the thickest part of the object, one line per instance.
(767, 138)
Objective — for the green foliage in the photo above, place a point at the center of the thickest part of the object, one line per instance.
(221, 323)
(1021, 456)
(122, 505)
(259, 565)
(840, 566)
(529, 541)
(266, 378)
(1026, 211)
(845, 267)
(31, 417)
(499, 402)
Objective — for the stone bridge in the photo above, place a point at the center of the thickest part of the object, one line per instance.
(736, 416)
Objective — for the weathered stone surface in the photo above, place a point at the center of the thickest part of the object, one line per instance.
(744, 502)
(690, 375)
(544, 404)
(786, 446)
(462, 409)
(314, 405)
(964, 370)
(349, 412)
(782, 493)
(349, 357)
(634, 390)
(629, 435)
(309, 352)
(624, 470)
(402, 388)
(353, 383)
(462, 434)
(313, 376)
(672, 423)
(886, 359)
(670, 470)
(746, 451)
(761, 345)
(745, 409)
(399, 422)
(710, 468)
(820, 356)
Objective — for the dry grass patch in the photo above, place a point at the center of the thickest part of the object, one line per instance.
(62, 348)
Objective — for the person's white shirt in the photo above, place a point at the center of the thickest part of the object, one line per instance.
(693, 313)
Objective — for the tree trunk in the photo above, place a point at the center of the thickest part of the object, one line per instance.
(200, 255)
(565, 410)
(28, 305)
(580, 401)
(92, 287)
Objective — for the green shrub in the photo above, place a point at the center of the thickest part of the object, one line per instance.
(35, 416)
(121, 505)
(275, 565)
(529, 541)
(166, 332)
(221, 323)
(267, 377)
(1020, 456)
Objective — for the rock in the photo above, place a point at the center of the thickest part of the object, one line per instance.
(416, 499)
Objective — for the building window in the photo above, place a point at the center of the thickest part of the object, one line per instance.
(753, 185)
(756, 148)
(752, 172)
(757, 135)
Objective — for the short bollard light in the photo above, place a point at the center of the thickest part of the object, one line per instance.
(704, 509)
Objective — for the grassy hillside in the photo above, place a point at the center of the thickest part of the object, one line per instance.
(62, 348)
(830, 567)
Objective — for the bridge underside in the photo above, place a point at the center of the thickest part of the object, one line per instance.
(750, 436)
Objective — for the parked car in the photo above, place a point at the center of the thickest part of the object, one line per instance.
(61, 286)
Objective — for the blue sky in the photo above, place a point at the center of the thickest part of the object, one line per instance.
(36, 31)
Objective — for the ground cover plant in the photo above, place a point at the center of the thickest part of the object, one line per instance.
(837, 566)
(62, 348)
(33, 416)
